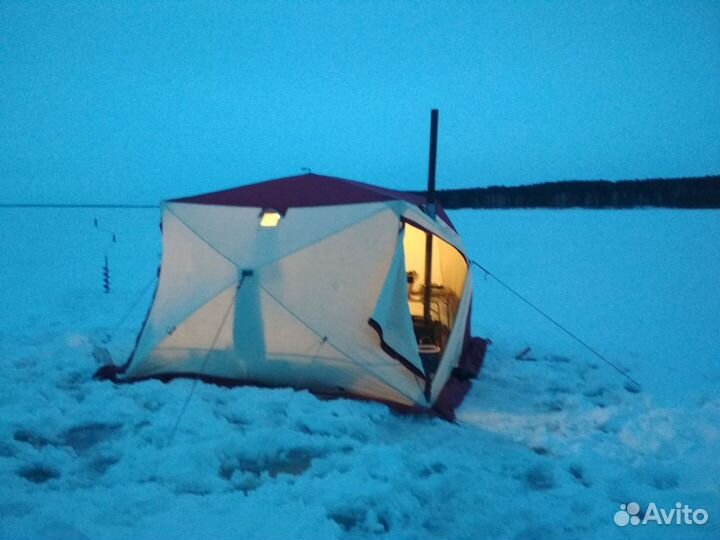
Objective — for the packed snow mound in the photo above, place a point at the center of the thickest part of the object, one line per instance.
(549, 443)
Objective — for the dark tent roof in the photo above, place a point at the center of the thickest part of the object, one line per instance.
(303, 191)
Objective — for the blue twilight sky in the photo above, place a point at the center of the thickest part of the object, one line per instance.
(130, 101)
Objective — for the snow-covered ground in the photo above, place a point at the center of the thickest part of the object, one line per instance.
(548, 446)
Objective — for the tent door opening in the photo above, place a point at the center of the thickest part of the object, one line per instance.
(433, 309)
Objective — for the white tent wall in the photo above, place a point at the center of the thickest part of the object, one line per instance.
(333, 285)
(288, 305)
(454, 346)
(392, 311)
(192, 274)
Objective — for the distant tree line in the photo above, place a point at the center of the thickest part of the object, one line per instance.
(701, 192)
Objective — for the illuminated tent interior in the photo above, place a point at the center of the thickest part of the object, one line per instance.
(433, 315)
(312, 282)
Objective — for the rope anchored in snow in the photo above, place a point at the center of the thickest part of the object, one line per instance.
(560, 326)
(109, 335)
(244, 274)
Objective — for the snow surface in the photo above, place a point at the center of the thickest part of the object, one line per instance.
(547, 446)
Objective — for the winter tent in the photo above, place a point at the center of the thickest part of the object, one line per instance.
(312, 282)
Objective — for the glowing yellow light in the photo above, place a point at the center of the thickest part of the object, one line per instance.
(270, 218)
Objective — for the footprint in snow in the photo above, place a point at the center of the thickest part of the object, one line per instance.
(85, 436)
(602, 397)
(6, 450)
(38, 473)
(553, 405)
(578, 474)
(27, 436)
(663, 480)
(539, 478)
(557, 359)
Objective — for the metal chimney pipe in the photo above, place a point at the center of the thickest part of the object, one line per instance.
(430, 210)
(432, 165)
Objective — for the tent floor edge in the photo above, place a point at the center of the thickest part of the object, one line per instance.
(450, 398)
